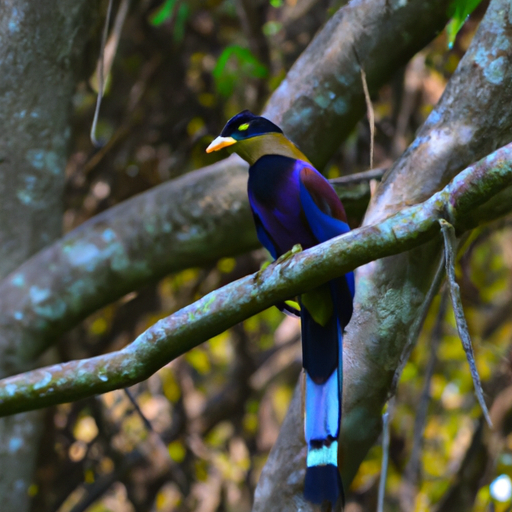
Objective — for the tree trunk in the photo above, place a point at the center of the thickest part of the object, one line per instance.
(469, 121)
(39, 46)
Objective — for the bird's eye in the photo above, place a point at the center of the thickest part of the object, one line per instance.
(243, 127)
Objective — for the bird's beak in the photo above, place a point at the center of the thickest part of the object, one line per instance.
(219, 143)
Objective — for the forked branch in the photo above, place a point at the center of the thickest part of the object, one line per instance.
(219, 310)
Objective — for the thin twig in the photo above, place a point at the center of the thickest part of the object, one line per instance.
(449, 249)
(131, 120)
(94, 140)
(421, 411)
(104, 65)
(174, 15)
(115, 36)
(371, 115)
(158, 441)
(386, 420)
(360, 177)
(369, 106)
(413, 80)
(418, 324)
(138, 410)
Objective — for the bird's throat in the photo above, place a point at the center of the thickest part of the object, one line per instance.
(254, 148)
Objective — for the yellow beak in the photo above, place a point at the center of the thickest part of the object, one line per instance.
(219, 143)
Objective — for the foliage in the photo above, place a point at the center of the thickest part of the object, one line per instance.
(248, 66)
(169, 10)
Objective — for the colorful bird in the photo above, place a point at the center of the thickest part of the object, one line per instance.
(292, 203)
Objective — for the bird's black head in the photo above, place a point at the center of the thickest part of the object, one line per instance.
(246, 125)
(253, 137)
(243, 126)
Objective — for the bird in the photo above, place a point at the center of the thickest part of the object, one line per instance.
(292, 203)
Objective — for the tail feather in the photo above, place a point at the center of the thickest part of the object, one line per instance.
(322, 409)
(323, 483)
(322, 348)
(321, 428)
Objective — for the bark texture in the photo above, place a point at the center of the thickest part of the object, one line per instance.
(226, 306)
(392, 294)
(40, 43)
(321, 99)
(148, 237)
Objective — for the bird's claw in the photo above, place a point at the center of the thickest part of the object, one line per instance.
(264, 265)
(287, 255)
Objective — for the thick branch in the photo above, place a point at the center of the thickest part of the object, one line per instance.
(469, 120)
(322, 96)
(191, 221)
(223, 308)
(393, 293)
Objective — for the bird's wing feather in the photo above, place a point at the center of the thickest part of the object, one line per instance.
(324, 213)
(266, 239)
(321, 205)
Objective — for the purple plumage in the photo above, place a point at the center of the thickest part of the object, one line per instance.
(292, 203)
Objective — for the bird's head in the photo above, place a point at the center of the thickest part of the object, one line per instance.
(253, 136)
(241, 127)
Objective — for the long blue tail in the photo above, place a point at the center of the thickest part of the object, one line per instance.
(323, 415)
(322, 360)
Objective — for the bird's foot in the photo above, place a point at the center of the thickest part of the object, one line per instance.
(263, 267)
(287, 255)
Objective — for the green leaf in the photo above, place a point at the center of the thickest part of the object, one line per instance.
(233, 64)
(163, 13)
(459, 10)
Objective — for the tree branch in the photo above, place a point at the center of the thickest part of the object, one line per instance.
(222, 308)
(470, 119)
(190, 221)
(386, 420)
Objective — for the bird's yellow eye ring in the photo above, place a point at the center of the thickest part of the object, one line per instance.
(243, 127)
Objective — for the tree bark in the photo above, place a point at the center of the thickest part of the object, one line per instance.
(39, 46)
(191, 221)
(393, 293)
(225, 307)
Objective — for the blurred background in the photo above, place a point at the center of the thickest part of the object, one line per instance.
(204, 424)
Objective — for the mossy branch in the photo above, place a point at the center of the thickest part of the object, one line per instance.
(190, 221)
(222, 308)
